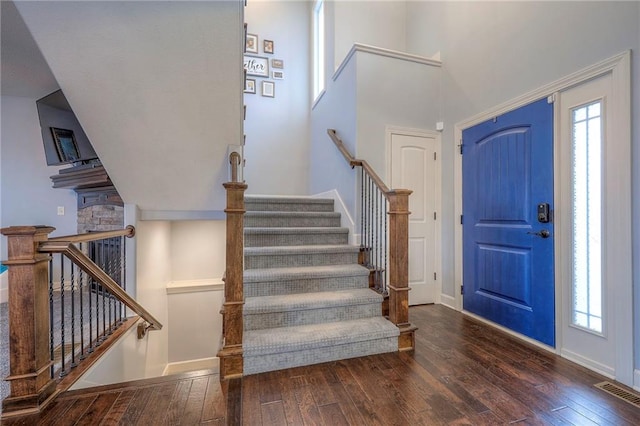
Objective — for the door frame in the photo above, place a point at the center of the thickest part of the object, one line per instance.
(620, 260)
(397, 130)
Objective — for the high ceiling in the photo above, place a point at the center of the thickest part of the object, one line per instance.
(23, 71)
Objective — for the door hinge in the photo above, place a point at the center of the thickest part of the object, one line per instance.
(461, 289)
(551, 99)
(461, 146)
(434, 216)
(435, 277)
(461, 219)
(435, 156)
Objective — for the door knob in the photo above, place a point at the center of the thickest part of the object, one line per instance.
(542, 234)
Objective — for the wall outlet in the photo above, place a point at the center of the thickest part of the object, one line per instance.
(60, 210)
(439, 126)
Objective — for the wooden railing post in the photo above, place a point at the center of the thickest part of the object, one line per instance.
(231, 353)
(399, 267)
(31, 384)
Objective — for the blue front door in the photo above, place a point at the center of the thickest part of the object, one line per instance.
(507, 172)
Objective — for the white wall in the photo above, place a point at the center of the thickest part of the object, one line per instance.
(378, 23)
(491, 54)
(157, 87)
(198, 249)
(27, 194)
(494, 52)
(277, 129)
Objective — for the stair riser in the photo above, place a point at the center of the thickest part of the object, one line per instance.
(282, 222)
(291, 260)
(288, 207)
(264, 363)
(263, 240)
(278, 288)
(310, 316)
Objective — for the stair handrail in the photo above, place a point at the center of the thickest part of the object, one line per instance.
(81, 260)
(388, 219)
(353, 162)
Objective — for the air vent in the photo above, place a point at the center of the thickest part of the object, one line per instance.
(617, 391)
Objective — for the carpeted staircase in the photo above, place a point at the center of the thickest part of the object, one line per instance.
(306, 298)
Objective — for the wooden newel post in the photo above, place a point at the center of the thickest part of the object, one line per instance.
(231, 353)
(399, 267)
(30, 379)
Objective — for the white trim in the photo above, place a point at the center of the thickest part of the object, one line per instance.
(195, 286)
(212, 363)
(396, 130)
(346, 221)
(380, 51)
(448, 301)
(619, 66)
(588, 363)
(636, 380)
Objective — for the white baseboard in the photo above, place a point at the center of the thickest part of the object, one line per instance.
(212, 363)
(195, 286)
(636, 380)
(589, 363)
(448, 301)
(4, 287)
(346, 221)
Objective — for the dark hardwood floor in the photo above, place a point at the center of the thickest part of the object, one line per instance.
(462, 373)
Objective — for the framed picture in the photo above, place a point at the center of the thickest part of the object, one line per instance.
(277, 75)
(277, 63)
(256, 66)
(66, 145)
(250, 85)
(268, 89)
(251, 43)
(267, 46)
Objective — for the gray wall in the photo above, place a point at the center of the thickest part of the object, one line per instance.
(157, 87)
(277, 129)
(494, 52)
(27, 194)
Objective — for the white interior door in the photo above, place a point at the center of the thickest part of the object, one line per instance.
(415, 166)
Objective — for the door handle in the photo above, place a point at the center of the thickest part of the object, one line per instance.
(542, 234)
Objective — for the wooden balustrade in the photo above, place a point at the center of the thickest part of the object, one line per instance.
(398, 246)
(31, 378)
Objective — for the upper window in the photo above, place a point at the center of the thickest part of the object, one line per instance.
(318, 48)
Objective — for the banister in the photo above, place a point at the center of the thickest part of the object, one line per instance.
(355, 162)
(79, 258)
(128, 232)
(234, 160)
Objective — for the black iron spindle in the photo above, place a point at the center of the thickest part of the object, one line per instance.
(73, 317)
(62, 311)
(51, 308)
(81, 290)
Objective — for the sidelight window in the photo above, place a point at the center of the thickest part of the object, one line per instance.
(587, 134)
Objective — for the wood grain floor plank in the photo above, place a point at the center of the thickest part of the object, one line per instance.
(77, 409)
(214, 406)
(193, 408)
(158, 404)
(251, 410)
(137, 405)
(119, 407)
(332, 415)
(233, 389)
(178, 402)
(307, 405)
(98, 409)
(273, 413)
(290, 405)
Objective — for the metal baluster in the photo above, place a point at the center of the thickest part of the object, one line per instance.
(51, 328)
(96, 288)
(362, 209)
(104, 291)
(109, 270)
(380, 246)
(81, 278)
(386, 222)
(62, 335)
(73, 316)
(375, 237)
(124, 275)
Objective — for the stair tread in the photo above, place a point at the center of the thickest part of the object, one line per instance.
(287, 199)
(303, 337)
(281, 250)
(271, 213)
(297, 230)
(304, 272)
(317, 300)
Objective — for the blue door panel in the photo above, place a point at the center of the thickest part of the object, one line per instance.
(508, 271)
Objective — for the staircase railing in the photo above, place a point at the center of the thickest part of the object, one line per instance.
(231, 360)
(67, 305)
(384, 241)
